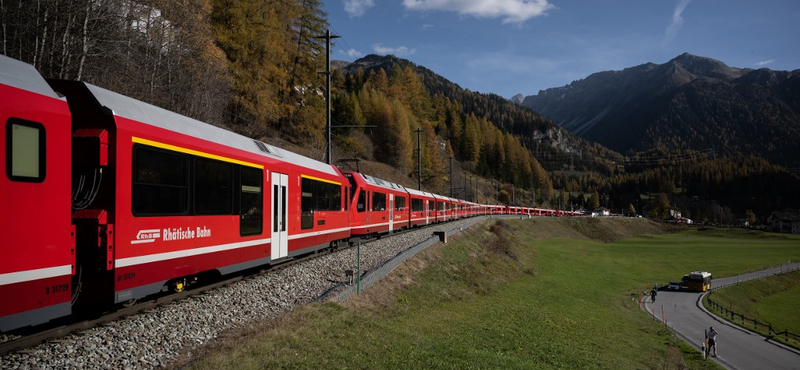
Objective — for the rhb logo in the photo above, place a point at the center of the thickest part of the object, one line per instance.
(147, 236)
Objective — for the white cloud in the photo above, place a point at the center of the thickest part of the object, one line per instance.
(676, 24)
(400, 51)
(357, 8)
(427, 26)
(764, 62)
(512, 11)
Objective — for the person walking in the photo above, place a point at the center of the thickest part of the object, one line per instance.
(712, 341)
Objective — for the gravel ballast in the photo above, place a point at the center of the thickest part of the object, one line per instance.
(156, 338)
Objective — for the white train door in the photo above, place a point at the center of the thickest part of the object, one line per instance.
(280, 215)
(391, 212)
(427, 211)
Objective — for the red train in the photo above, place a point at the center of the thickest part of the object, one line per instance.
(107, 199)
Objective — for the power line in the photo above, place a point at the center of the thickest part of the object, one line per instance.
(348, 51)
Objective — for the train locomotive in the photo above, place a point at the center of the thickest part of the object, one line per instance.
(106, 200)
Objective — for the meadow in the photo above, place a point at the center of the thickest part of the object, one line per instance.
(773, 300)
(512, 294)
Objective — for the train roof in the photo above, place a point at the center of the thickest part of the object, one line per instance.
(23, 76)
(419, 193)
(381, 183)
(140, 111)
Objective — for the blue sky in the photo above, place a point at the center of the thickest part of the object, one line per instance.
(507, 47)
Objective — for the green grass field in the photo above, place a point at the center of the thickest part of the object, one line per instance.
(522, 294)
(772, 300)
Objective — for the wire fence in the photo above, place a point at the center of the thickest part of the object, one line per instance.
(757, 325)
(792, 339)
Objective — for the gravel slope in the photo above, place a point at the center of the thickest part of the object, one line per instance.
(152, 339)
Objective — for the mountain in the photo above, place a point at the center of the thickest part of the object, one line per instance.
(689, 102)
(546, 139)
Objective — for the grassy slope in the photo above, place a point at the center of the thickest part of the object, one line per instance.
(543, 293)
(771, 300)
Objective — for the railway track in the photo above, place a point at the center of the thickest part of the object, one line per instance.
(49, 333)
(26, 340)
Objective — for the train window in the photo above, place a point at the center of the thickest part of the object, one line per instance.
(399, 203)
(416, 205)
(361, 206)
(307, 204)
(251, 201)
(25, 151)
(283, 207)
(318, 196)
(353, 185)
(347, 201)
(160, 182)
(378, 202)
(430, 206)
(213, 187)
(275, 210)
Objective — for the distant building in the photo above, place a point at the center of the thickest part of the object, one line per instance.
(676, 216)
(784, 222)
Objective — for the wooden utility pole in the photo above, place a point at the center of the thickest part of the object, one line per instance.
(419, 160)
(451, 177)
(327, 73)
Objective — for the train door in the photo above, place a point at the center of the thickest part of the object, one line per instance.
(427, 212)
(391, 212)
(280, 216)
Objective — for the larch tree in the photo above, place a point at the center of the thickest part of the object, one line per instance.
(300, 96)
(157, 51)
(471, 141)
(254, 35)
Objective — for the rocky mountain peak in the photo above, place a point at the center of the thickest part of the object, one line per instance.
(689, 102)
(706, 67)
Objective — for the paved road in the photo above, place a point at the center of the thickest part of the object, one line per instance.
(738, 348)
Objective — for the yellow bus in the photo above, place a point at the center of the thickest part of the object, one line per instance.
(697, 281)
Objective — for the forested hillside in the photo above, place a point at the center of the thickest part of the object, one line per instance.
(398, 104)
(549, 142)
(244, 64)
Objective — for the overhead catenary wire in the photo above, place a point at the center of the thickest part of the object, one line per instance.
(348, 51)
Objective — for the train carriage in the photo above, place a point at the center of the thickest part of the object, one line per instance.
(466, 209)
(180, 198)
(420, 213)
(445, 208)
(37, 251)
(377, 206)
(440, 208)
(456, 209)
